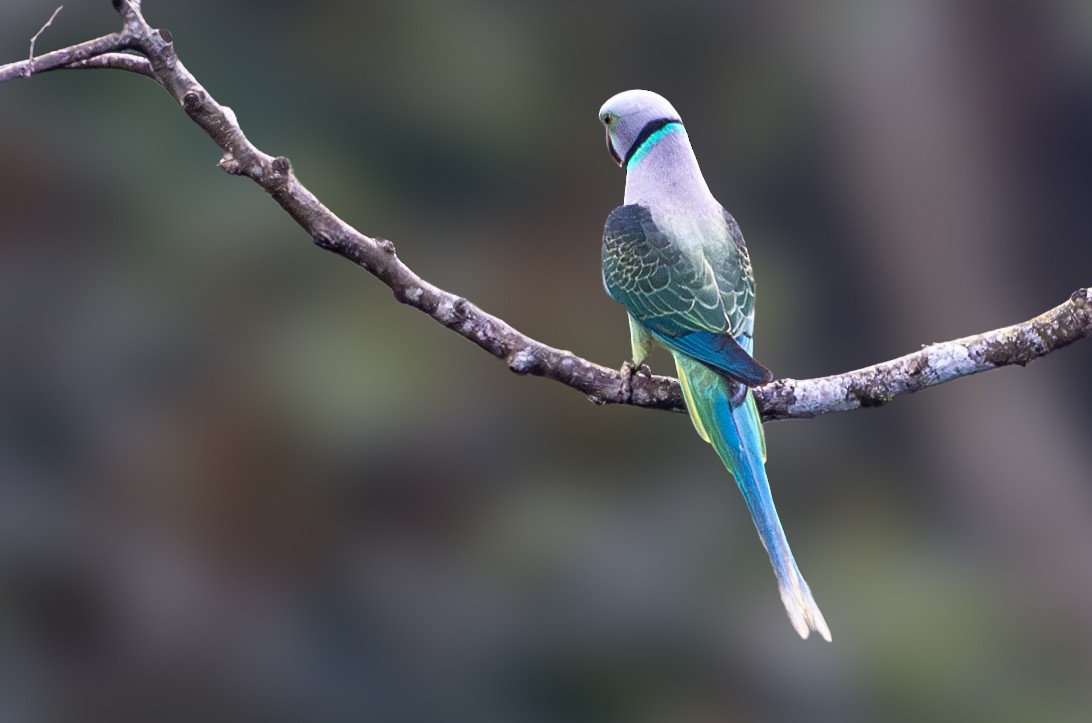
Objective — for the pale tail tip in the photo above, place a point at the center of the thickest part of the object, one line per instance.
(804, 613)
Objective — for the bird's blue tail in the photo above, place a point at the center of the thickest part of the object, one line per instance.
(735, 431)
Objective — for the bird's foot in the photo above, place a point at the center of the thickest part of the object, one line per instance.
(628, 371)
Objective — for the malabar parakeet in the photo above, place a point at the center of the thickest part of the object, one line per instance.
(676, 260)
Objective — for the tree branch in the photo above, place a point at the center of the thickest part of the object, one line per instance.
(934, 364)
(34, 39)
(115, 42)
(116, 61)
(781, 399)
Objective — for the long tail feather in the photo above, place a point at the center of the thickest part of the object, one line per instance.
(735, 432)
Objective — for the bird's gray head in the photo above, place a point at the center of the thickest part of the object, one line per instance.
(632, 119)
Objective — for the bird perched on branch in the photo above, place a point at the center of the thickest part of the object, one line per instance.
(676, 260)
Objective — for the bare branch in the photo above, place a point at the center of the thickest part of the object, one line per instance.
(781, 399)
(934, 364)
(115, 42)
(116, 61)
(33, 40)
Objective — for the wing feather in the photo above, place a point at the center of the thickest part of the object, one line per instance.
(677, 296)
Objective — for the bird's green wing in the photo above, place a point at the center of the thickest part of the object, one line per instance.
(732, 267)
(662, 287)
(673, 294)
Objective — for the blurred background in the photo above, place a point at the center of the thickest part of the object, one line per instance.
(239, 481)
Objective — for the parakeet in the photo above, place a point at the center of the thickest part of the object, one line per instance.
(676, 260)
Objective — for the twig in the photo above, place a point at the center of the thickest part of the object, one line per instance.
(932, 365)
(781, 399)
(30, 57)
(113, 43)
(116, 61)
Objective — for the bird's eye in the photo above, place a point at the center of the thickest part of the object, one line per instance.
(608, 118)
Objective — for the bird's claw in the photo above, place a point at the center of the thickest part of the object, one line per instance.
(627, 382)
(628, 371)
